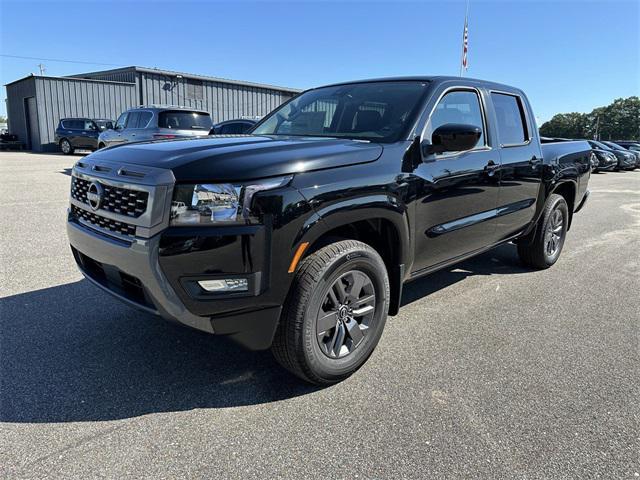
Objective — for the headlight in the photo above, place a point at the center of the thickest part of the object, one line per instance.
(206, 204)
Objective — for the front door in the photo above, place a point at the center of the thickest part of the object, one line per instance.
(457, 192)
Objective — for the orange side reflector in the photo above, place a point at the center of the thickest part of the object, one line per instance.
(296, 258)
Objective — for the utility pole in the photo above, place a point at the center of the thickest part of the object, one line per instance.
(42, 69)
(596, 135)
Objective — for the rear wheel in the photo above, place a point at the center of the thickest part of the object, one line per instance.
(548, 238)
(66, 147)
(335, 313)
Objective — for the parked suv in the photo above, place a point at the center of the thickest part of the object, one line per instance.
(156, 122)
(300, 236)
(80, 133)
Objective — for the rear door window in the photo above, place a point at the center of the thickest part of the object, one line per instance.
(184, 120)
(512, 124)
(143, 119)
(74, 124)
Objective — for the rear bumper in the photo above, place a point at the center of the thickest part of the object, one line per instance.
(131, 272)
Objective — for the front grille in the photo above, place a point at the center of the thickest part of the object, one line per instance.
(102, 222)
(117, 200)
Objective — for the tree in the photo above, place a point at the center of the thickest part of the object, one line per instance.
(3, 119)
(618, 120)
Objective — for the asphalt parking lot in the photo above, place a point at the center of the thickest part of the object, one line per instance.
(489, 371)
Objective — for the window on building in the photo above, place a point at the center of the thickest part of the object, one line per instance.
(195, 89)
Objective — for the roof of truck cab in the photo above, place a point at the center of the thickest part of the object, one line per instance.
(430, 79)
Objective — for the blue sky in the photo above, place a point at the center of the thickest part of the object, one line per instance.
(567, 55)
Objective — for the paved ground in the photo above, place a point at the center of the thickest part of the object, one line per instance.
(489, 371)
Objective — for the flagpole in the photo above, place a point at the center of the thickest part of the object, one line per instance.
(464, 34)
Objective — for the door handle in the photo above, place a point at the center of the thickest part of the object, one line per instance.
(491, 168)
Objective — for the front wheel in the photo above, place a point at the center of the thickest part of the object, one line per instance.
(66, 147)
(335, 313)
(549, 236)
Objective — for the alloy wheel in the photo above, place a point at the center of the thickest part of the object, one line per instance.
(346, 314)
(553, 235)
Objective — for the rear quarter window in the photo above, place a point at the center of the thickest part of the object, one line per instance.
(510, 115)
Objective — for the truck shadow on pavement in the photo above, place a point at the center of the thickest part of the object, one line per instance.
(71, 353)
(501, 260)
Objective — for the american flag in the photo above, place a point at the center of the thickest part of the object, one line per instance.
(465, 44)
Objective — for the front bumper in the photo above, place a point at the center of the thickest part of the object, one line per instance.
(131, 272)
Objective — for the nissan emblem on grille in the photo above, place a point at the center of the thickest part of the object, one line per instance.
(95, 193)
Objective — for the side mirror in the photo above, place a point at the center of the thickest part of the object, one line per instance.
(452, 137)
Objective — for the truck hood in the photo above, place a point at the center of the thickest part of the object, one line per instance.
(241, 157)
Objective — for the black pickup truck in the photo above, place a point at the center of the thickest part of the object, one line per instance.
(300, 235)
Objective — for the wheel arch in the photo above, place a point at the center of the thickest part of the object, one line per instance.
(379, 223)
(568, 190)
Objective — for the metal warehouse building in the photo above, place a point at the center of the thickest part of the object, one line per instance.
(35, 104)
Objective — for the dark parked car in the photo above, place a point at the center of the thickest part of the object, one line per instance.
(80, 133)
(627, 160)
(632, 146)
(233, 127)
(606, 158)
(156, 122)
(300, 236)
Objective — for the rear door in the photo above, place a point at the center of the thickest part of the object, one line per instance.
(521, 162)
(74, 131)
(457, 191)
(89, 137)
(137, 127)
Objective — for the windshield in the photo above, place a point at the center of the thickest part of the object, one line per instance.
(184, 120)
(376, 111)
(600, 145)
(614, 146)
(102, 124)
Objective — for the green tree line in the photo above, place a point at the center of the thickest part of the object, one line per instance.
(619, 120)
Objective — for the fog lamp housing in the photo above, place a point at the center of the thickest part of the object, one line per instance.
(225, 285)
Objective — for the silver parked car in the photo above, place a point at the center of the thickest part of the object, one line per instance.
(156, 122)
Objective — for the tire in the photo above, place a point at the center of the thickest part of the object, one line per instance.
(549, 235)
(101, 145)
(322, 295)
(66, 147)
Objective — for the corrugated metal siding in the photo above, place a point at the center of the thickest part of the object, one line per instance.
(124, 75)
(16, 93)
(223, 101)
(60, 97)
(66, 97)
